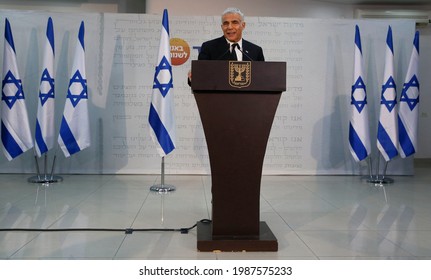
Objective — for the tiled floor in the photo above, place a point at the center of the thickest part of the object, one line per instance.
(313, 217)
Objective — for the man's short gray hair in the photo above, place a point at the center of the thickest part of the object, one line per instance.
(232, 11)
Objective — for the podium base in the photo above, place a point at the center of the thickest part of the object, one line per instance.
(206, 242)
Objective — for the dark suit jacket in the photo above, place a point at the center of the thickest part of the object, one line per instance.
(218, 49)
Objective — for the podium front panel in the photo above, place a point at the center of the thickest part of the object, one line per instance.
(237, 102)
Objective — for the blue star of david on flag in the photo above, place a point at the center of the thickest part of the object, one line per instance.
(164, 88)
(46, 78)
(359, 104)
(391, 101)
(77, 88)
(11, 81)
(411, 102)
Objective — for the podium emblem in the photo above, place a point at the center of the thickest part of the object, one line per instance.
(240, 73)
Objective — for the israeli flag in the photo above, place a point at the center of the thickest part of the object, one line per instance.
(15, 127)
(75, 124)
(359, 138)
(161, 117)
(409, 105)
(44, 133)
(387, 132)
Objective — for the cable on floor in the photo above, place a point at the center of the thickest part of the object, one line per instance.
(126, 231)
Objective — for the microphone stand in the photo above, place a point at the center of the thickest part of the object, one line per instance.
(244, 53)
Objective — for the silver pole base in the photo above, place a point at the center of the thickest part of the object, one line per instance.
(45, 179)
(162, 188)
(380, 181)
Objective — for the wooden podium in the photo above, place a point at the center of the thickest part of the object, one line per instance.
(237, 102)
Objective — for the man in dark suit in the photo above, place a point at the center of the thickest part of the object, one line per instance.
(221, 48)
(231, 46)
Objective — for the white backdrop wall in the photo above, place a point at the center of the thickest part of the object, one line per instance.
(337, 9)
(310, 128)
(318, 9)
(268, 8)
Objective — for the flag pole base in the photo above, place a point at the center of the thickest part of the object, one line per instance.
(45, 179)
(162, 188)
(380, 181)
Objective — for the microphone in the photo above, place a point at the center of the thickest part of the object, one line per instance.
(244, 53)
(223, 54)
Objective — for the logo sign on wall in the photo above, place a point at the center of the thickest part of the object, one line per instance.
(180, 51)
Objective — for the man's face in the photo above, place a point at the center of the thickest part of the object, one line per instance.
(232, 27)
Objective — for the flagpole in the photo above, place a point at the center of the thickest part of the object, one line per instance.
(45, 179)
(44, 132)
(53, 177)
(378, 167)
(162, 187)
(161, 117)
(370, 177)
(370, 168)
(386, 180)
(383, 179)
(52, 168)
(374, 179)
(45, 165)
(387, 131)
(37, 178)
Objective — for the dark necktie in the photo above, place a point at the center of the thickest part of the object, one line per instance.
(233, 52)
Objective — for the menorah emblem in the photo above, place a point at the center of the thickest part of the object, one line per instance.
(240, 73)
